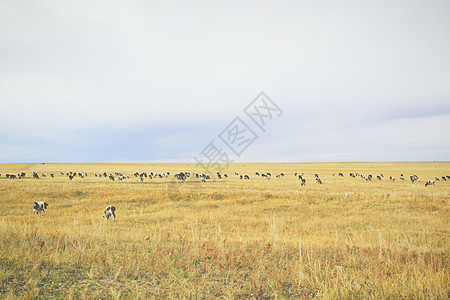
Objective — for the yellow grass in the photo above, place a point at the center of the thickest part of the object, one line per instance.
(230, 238)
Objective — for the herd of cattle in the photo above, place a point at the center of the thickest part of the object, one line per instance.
(203, 177)
(39, 207)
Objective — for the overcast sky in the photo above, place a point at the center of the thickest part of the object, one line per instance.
(92, 80)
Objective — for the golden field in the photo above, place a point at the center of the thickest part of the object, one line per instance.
(230, 238)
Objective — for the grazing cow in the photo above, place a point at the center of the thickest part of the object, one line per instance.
(413, 178)
(256, 173)
(52, 175)
(246, 177)
(34, 175)
(303, 181)
(70, 177)
(226, 175)
(378, 177)
(39, 207)
(110, 211)
(341, 174)
(443, 178)
(436, 178)
(429, 182)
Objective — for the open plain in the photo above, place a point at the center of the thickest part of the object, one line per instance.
(226, 238)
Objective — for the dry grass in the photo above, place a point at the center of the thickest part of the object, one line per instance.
(226, 239)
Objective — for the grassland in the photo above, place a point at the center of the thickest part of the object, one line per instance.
(347, 238)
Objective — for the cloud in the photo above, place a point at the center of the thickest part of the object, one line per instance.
(87, 71)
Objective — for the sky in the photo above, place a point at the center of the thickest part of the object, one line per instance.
(158, 81)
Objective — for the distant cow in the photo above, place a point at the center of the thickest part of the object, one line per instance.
(303, 181)
(429, 182)
(39, 207)
(110, 211)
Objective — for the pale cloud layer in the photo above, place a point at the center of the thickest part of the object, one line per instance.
(157, 81)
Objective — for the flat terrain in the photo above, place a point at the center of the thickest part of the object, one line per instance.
(226, 238)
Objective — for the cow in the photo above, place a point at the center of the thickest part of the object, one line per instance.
(413, 178)
(39, 207)
(378, 177)
(303, 181)
(110, 211)
(429, 182)
(52, 175)
(443, 178)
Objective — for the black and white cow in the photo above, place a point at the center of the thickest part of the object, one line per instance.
(39, 207)
(110, 211)
(429, 182)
